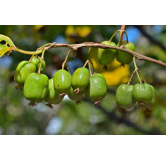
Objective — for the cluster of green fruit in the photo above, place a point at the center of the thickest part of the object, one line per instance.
(37, 87)
(140, 94)
(106, 56)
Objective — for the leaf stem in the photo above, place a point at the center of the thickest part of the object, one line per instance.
(29, 52)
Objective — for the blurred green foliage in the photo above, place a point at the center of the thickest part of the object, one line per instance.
(16, 117)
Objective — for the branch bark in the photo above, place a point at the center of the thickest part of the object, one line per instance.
(99, 45)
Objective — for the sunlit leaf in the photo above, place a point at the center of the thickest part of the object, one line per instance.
(6, 41)
(5, 49)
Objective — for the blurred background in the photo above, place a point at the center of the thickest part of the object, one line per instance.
(16, 117)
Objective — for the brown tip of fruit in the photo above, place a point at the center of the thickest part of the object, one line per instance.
(105, 67)
(32, 104)
(147, 113)
(49, 105)
(121, 110)
(97, 103)
(141, 104)
(78, 102)
(122, 65)
(62, 95)
(76, 91)
(18, 87)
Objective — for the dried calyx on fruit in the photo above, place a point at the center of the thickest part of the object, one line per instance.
(75, 97)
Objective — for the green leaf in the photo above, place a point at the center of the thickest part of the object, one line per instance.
(4, 49)
(8, 41)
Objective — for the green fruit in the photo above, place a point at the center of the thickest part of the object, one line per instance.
(124, 96)
(36, 87)
(123, 57)
(152, 102)
(106, 56)
(23, 69)
(52, 96)
(142, 93)
(100, 75)
(75, 97)
(62, 81)
(80, 78)
(36, 60)
(96, 89)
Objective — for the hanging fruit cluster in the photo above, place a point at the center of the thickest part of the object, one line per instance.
(30, 75)
(105, 57)
(37, 87)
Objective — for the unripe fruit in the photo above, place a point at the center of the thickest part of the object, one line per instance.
(124, 57)
(23, 69)
(36, 61)
(62, 81)
(75, 97)
(152, 102)
(52, 96)
(106, 56)
(142, 93)
(124, 96)
(96, 89)
(80, 79)
(100, 75)
(36, 87)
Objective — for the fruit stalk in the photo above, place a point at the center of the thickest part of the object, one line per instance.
(121, 40)
(131, 77)
(114, 35)
(63, 64)
(142, 76)
(45, 45)
(42, 57)
(31, 58)
(67, 68)
(90, 69)
(136, 69)
(90, 59)
(86, 63)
